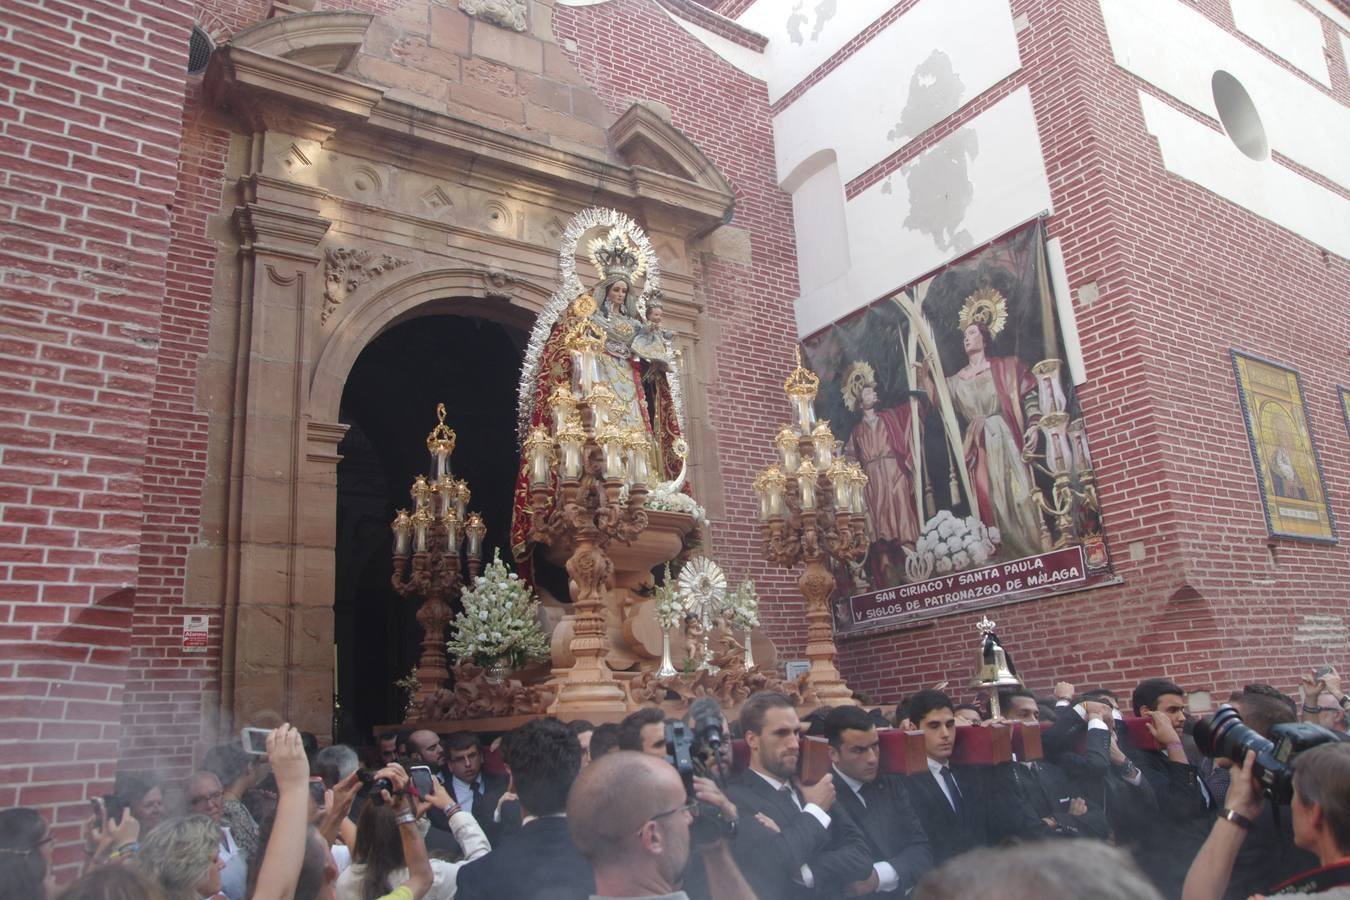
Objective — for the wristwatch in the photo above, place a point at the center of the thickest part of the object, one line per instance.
(1344, 701)
(1237, 819)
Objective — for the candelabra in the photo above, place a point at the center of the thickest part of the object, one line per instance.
(811, 509)
(441, 539)
(1066, 455)
(601, 468)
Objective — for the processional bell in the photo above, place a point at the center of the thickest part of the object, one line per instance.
(994, 669)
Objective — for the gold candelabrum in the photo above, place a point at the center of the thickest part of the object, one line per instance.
(601, 468)
(433, 545)
(1066, 457)
(811, 510)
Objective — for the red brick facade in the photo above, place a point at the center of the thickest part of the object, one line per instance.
(113, 189)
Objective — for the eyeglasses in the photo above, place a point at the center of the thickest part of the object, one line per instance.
(214, 797)
(688, 806)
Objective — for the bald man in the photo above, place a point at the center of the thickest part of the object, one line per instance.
(629, 815)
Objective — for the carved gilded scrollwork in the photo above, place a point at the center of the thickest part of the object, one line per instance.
(346, 269)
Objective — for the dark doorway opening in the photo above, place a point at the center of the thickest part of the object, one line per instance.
(389, 401)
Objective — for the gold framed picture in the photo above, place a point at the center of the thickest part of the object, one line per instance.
(1284, 453)
(1345, 404)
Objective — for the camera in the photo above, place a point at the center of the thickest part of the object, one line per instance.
(687, 750)
(371, 786)
(1226, 736)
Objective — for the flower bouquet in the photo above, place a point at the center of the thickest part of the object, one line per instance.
(500, 622)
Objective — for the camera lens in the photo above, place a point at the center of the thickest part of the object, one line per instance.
(1226, 736)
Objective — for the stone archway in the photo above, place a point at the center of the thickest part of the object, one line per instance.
(357, 209)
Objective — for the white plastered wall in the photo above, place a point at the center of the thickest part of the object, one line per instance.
(1176, 51)
(803, 34)
(1288, 29)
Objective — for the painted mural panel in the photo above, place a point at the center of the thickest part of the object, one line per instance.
(1287, 466)
(952, 396)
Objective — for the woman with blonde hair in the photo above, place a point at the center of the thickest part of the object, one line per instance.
(183, 856)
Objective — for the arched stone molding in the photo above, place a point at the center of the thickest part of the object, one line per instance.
(325, 40)
(461, 291)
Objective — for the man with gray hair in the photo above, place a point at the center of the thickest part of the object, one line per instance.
(628, 813)
(1044, 870)
(343, 758)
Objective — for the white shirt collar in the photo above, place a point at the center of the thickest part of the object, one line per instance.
(849, 780)
(936, 767)
(773, 782)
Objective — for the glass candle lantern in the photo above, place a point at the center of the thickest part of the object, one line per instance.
(1082, 460)
(421, 493)
(402, 528)
(602, 400)
(539, 450)
(421, 524)
(788, 450)
(823, 441)
(801, 387)
(610, 440)
(585, 342)
(775, 483)
(806, 484)
(474, 530)
(762, 494)
(857, 500)
(453, 532)
(461, 498)
(571, 440)
(1049, 389)
(841, 479)
(563, 405)
(1058, 456)
(639, 468)
(445, 495)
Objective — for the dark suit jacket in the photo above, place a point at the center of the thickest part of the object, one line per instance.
(992, 809)
(539, 863)
(1169, 842)
(1128, 808)
(837, 856)
(890, 825)
(1045, 785)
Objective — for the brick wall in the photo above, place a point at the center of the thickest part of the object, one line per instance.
(90, 94)
(1184, 275)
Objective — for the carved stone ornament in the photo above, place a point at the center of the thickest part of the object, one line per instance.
(346, 269)
(506, 13)
(474, 696)
(497, 284)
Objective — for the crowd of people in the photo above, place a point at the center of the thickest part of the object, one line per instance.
(660, 806)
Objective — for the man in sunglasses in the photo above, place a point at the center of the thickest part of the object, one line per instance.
(628, 813)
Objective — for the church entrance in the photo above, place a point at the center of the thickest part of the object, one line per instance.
(389, 403)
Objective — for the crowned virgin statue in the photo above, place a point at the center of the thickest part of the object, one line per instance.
(637, 363)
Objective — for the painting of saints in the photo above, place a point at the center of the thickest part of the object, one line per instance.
(997, 398)
(1279, 451)
(883, 444)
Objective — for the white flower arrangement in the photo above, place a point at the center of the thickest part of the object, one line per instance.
(950, 544)
(500, 620)
(742, 607)
(668, 605)
(677, 502)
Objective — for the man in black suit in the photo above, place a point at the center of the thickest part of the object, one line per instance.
(962, 807)
(475, 791)
(795, 840)
(539, 862)
(879, 804)
(1185, 810)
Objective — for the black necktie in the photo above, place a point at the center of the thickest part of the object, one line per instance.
(952, 789)
(474, 788)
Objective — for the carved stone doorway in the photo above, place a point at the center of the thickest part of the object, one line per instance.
(470, 364)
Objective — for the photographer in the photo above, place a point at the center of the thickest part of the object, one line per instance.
(1321, 816)
(630, 815)
(380, 859)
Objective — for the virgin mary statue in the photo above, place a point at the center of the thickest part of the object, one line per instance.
(637, 362)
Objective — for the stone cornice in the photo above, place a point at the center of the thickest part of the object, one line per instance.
(324, 40)
(267, 92)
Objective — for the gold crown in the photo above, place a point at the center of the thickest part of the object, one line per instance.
(856, 377)
(985, 307)
(615, 255)
(801, 381)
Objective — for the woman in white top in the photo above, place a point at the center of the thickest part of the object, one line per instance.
(377, 859)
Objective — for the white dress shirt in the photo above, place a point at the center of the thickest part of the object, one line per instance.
(936, 768)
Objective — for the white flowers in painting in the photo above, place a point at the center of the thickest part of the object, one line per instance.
(954, 543)
(500, 620)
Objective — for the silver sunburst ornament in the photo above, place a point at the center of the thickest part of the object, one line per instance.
(702, 589)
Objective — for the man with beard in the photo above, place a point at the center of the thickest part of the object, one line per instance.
(795, 842)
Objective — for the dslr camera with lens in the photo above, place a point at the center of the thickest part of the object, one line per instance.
(689, 751)
(1226, 736)
(371, 786)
